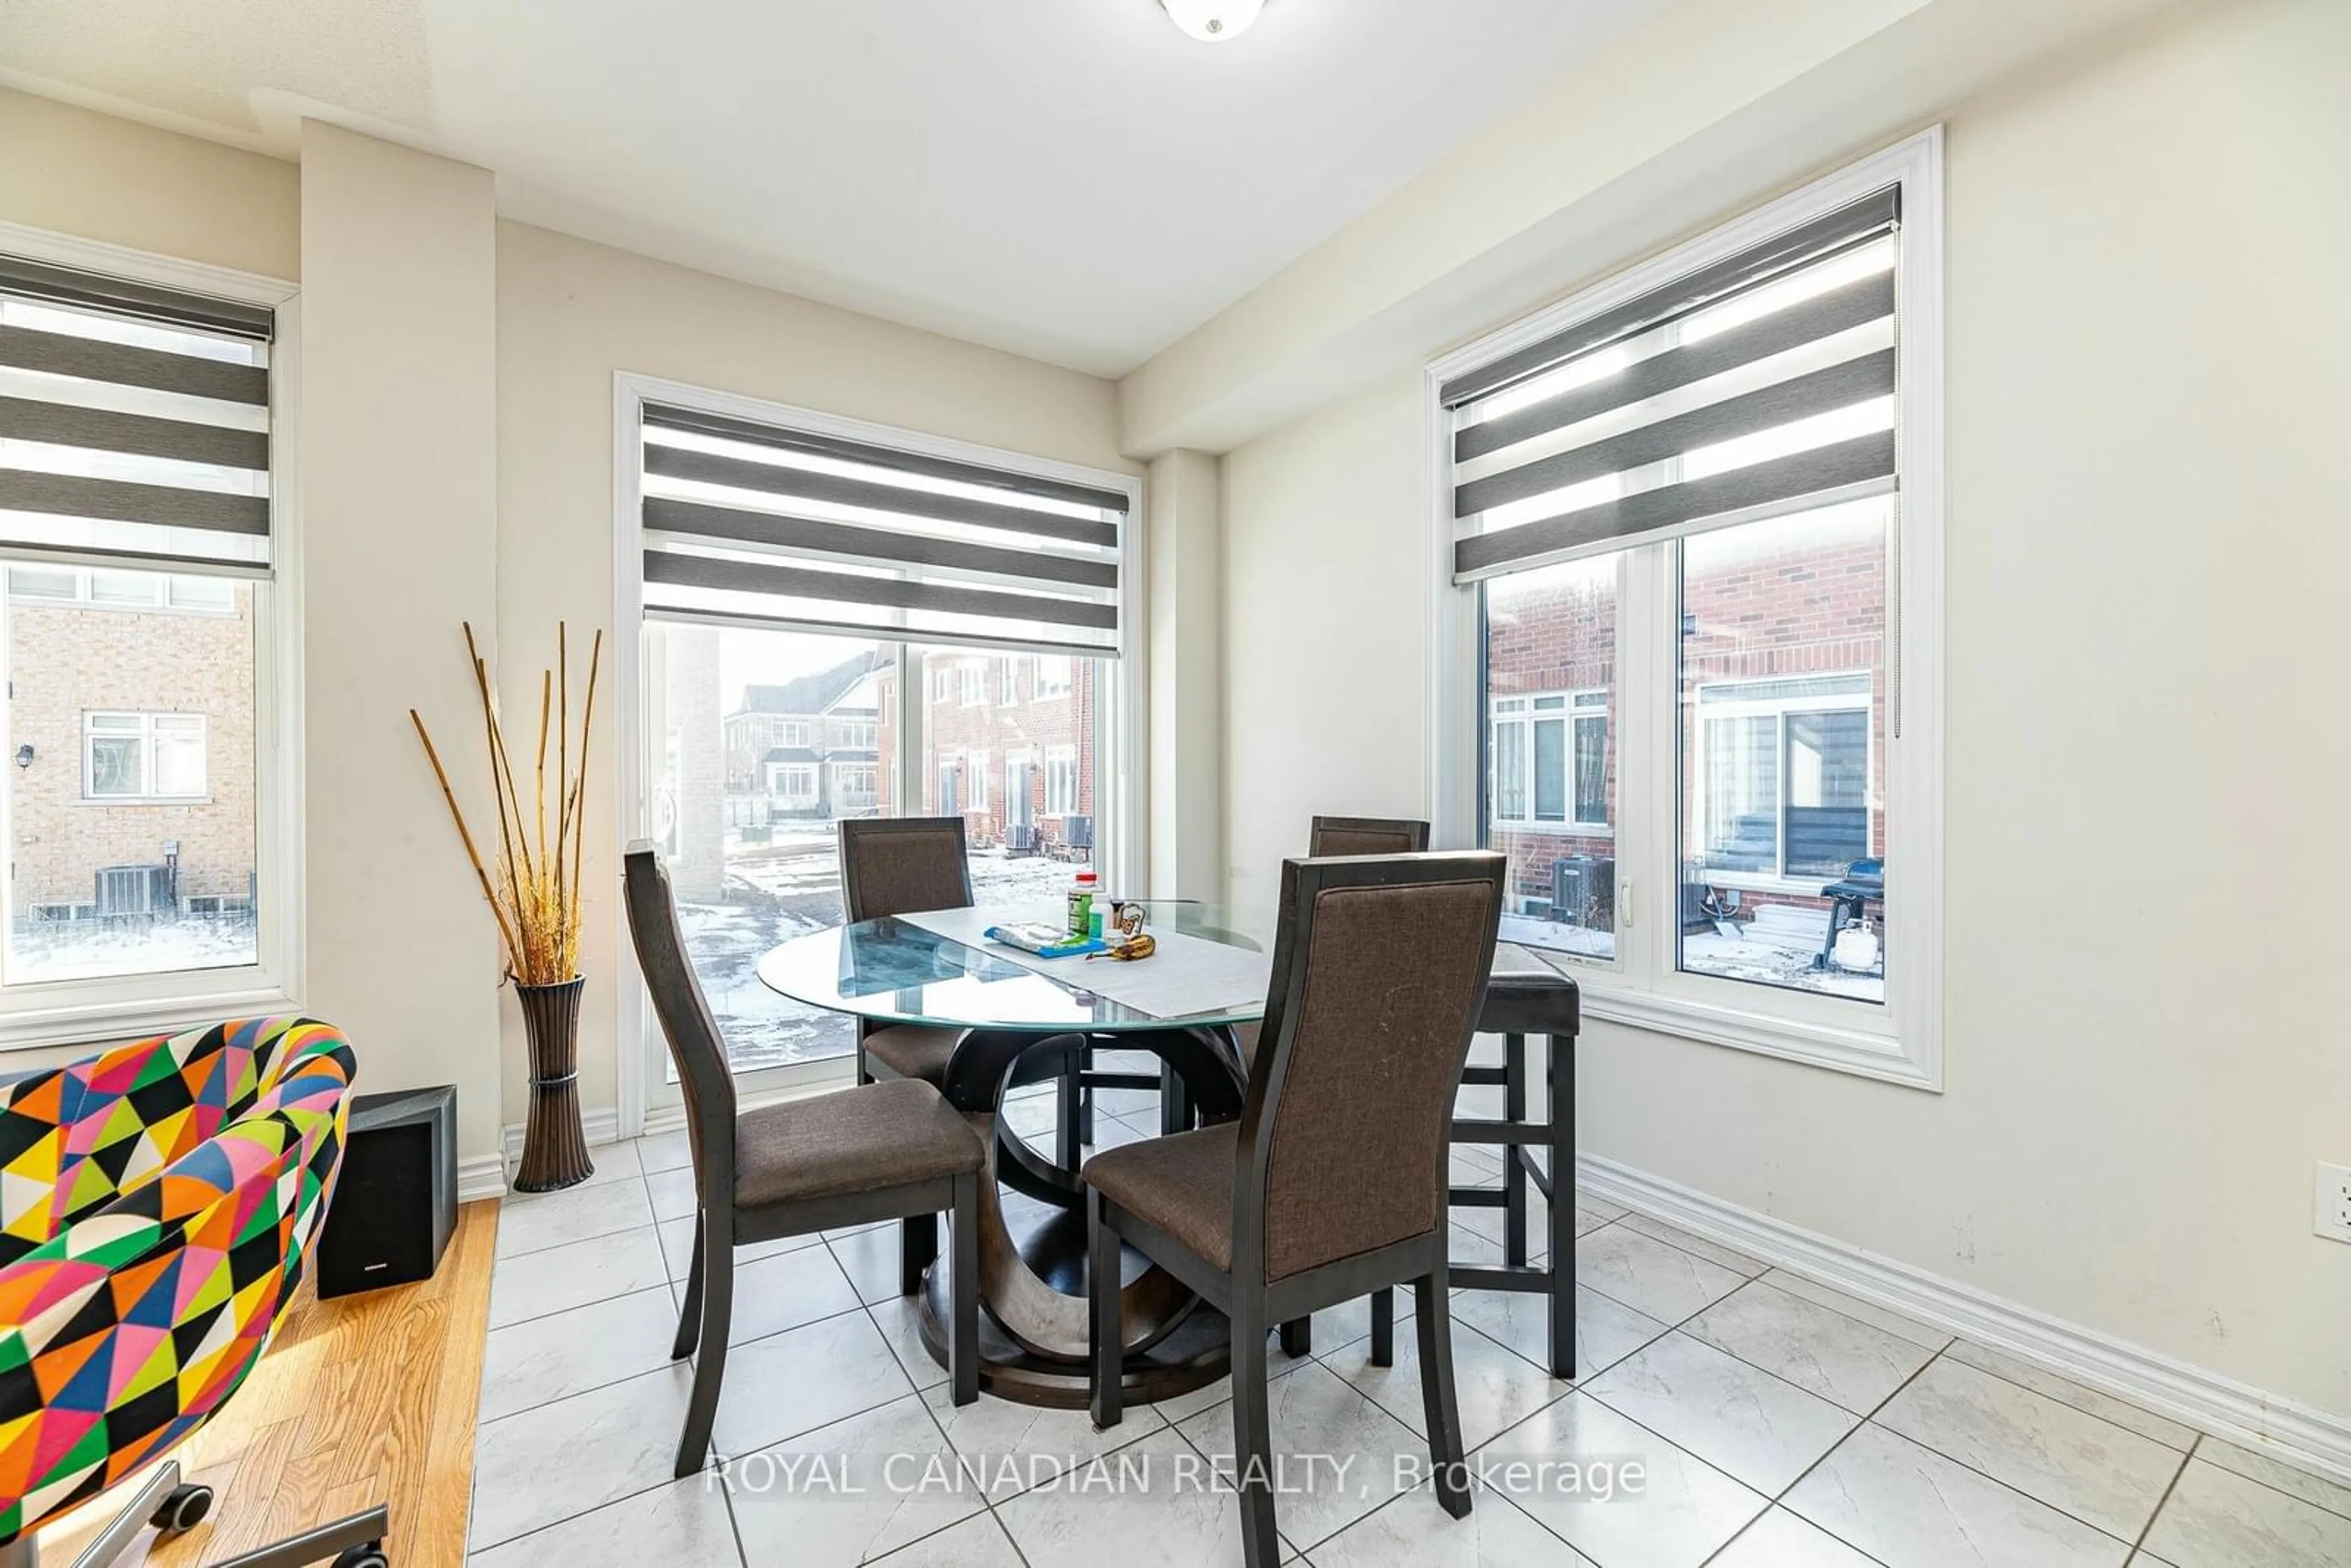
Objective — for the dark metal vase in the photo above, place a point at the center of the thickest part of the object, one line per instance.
(554, 1144)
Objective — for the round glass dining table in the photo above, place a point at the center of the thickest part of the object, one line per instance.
(1030, 1022)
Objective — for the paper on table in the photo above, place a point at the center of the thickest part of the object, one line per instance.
(1187, 975)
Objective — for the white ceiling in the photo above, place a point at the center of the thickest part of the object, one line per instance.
(1069, 179)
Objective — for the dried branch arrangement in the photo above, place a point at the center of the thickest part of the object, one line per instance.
(534, 884)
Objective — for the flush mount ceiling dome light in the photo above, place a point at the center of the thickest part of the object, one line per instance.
(1213, 21)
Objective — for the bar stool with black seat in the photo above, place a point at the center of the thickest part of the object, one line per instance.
(1333, 1183)
(877, 1151)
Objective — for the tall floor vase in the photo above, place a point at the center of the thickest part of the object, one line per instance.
(554, 1144)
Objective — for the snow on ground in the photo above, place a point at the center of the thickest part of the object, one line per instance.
(1709, 953)
(81, 950)
(786, 888)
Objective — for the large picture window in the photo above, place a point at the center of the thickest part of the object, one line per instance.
(146, 831)
(1696, 528)
(795, 686)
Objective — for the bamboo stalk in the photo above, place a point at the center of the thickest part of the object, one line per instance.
(535, 897)
(465, 835)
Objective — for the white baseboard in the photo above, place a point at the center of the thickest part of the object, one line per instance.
(484, 1175)
(2208, 1401)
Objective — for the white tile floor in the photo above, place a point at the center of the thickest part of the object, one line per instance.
(1780, 1424)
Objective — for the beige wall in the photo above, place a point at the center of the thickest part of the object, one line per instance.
(570, 314)
(399, 476)
(2149, 378)
(1185, 579)
(97, 177)
(1326, 569)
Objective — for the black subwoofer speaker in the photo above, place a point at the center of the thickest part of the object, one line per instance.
(396, 1200)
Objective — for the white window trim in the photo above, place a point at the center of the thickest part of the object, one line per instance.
(1900, 1041)
(1040, 690)
(1055, 758)
(51, 1014)
(1007, 672)
(1121, 846)
(1777, 878)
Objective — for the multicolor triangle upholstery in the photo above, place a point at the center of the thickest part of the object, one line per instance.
(156, 1204)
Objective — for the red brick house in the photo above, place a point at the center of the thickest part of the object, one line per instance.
(1008, 744)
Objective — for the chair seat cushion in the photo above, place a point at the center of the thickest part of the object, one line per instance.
(914, 1051)
(858, 1140)
(1182, 1183)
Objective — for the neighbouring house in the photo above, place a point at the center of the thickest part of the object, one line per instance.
(1009, 746)
(130, 739)
(812, 748)
(1783, 706)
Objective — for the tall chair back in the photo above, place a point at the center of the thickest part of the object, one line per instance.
(1367, 836)
(896, 865)
(1379, 970)
(694, 1043)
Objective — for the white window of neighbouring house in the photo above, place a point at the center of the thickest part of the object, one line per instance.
(1008, 680)
(973, 676)
(1060, 780)
(1053, 677)
(129, 757)
(149, 805)
(1693, 627)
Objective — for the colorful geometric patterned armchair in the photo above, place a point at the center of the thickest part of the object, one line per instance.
(157, 1203)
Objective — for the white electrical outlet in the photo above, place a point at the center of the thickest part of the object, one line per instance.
(2332, 1218)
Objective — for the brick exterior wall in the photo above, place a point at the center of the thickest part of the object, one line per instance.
(1797, 597)
(67, 659)
(1028, 723)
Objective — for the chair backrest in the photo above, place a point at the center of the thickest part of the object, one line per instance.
(204, 1253)
(694, 1042)
(897, 865)
(1367, 836)
(1379, 970)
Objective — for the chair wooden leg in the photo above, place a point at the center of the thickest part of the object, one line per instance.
(1298, 1338)
(1441, 1411)
(963, 1334)
(689, 1316)
(918, 1247)
(1384, 1326)
(1105, 1330)
(718, 1318)
(1253, 1461)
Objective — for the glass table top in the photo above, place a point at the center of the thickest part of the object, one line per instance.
(893, 971)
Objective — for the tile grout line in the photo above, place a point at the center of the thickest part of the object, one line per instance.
(2138, 1547)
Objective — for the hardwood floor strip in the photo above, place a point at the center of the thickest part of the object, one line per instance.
(360, 1400)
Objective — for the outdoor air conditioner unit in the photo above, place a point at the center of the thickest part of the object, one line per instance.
(1021, 838)
(133, 890)
(1584, 891)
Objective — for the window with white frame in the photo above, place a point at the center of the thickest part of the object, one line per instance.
(1008, 679)
(134, 758)
(758, 530)
(792, 780)
(1707, 729)
(147, 833)
(1060, 780)
(798, 732)
(1052, 677)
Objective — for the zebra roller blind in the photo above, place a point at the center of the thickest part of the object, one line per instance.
(134, 423)
(1762, 383)
(763, 525)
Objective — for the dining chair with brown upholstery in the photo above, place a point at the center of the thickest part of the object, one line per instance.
(1367, 836)
(874, 1151)
(901, 865)
(1333, 1183)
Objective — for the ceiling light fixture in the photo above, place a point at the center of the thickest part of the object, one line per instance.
(1213, 21)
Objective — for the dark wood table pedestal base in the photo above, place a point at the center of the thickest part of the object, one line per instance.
(1033, 1286)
